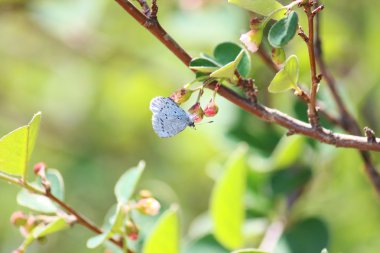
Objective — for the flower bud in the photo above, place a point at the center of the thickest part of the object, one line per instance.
(145, 194)
(181, 95)
(211, 108)
(196, 112)
(18, 218)
(252, 39)
(132, 230)
(39, 168)
(148, 206)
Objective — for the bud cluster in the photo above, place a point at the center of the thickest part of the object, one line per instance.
(210, 110)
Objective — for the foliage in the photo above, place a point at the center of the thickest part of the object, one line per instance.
(93, 80)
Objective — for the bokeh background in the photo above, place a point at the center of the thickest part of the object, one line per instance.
(92, 71)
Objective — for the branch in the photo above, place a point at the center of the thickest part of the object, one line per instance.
(312, 111)
(264, 113)
(79, 218)
(348, 121)
(295, 125)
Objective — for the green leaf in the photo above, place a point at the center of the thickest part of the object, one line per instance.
(227, 205)
(36, 202)
(165, 235)
(227, 52)
(262, 7)
(127, 183)
(286, 78)
(207, 244)
(203, 65)
(278, 55)
(249, 251)
(54, 226)
(117, 221)
(283, 30)
(309, 235)
(289, 179)
(56, 183)
(287, 151)
(98, 240)
(17, 146)
(228, 70)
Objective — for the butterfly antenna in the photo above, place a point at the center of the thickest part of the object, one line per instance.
(211, 121)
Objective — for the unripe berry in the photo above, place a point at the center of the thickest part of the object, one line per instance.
(18, 218)
(196, 112)
(181, 95)
(39, 168)
(132, 231)
(211, 108)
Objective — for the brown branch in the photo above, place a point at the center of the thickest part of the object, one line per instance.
(312, 111)
(295, 125)
(348, 121)
(155, 28)
(81, 219)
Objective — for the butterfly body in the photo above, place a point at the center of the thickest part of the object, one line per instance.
(168, 118)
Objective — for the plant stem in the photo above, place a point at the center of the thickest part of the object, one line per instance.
(82, 220)
(312, 111)
(348, 122)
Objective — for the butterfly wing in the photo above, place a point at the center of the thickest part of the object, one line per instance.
(168, 118)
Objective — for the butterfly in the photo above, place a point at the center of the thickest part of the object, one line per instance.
(168, 118)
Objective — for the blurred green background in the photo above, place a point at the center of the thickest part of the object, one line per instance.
(92, 71)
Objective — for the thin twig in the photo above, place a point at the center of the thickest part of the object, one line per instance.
(312, 111)
(348, 121)
(79, 218)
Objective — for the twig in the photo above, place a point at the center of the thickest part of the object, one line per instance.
(348, 121)
(79, 218)
(312, 111)
(156, 30)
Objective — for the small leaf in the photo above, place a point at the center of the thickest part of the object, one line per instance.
(278, 55)
(36, 202)
(98, 240)
(203, 65)
(56, 183)
(262, 7)
(228, 70)
(283, 30)
(314, 234)
(17, 146)
(127, 183)
(117, 221)
(227, 205)
(54, 226)
(249, 251)
(286, 78)
(206, 243)
(289, 179)
(287, 151)
(227, 52)
(165, 235)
